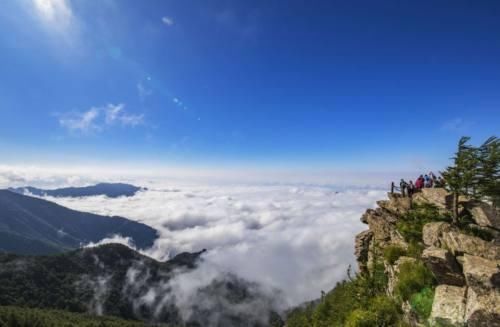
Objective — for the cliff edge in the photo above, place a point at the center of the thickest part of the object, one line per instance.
(413, 235)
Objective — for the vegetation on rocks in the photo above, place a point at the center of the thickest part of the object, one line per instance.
(412, 278)
(25, 317)
(358, 301)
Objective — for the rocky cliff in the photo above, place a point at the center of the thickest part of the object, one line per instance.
(464, 260)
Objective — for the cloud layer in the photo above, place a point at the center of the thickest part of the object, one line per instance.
(296, 239)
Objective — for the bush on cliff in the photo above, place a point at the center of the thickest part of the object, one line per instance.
(412, 223)
(392, 253)
(421, 302)
(351, 300)
(412, 278)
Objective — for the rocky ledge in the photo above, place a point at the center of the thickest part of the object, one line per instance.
(466, 268)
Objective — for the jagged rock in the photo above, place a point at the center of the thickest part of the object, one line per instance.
(362, 247)
(432, 232)
(484, 215)
(444, 266)
(382, 225)
(448, 308)
(396, 204)
(482, 310)
(459, 243)
(436, 196)
(482, 275)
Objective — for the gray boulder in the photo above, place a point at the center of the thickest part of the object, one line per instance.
(448, 308)
(482, 310)
(444, 266)
(435, 196)
(459, 243)
(482, 275)
(484, 215)
(432, 232)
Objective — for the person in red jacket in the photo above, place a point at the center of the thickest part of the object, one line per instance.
(419, 183)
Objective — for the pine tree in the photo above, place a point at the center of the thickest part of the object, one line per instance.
(488, 172)
(461, 176)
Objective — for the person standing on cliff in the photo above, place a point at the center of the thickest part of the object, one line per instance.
(419, 184)
(411, 189)
(427, 181)
(402, 186)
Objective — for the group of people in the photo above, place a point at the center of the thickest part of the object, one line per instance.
(423, 181)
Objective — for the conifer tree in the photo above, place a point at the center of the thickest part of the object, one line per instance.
(461, 176)
(488, 172)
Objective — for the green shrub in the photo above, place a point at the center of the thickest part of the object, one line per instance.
(421, 302)
(415, 250)
(361, 318)
(412, 278)
(412, 223)
(478, 232)
(386, 309)
(392, 253)
(300, 317)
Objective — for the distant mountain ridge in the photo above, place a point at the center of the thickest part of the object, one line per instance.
(29, 225)
(112, 190)
(115, 280)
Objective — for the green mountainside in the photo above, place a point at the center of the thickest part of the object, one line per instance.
(115, 280)
(30, 225)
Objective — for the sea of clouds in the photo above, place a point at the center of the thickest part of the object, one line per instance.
(298, 239)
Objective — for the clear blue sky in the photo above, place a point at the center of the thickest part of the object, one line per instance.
(360, 84)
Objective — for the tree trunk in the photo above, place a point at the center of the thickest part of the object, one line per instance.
(455, 208)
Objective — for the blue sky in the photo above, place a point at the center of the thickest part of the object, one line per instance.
(360, 85)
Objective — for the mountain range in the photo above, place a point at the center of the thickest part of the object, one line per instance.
(112, 190)
(115, 280)
(29, 225)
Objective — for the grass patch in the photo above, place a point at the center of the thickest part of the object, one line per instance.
(392, 253)
(421, 302)
(413, 277)
(411, 224)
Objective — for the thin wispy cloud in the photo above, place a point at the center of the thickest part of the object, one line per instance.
(167, 21)
(82, 122)
(457, 124)
(116, 114)
(97, 119)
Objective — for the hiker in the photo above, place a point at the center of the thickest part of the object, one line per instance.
(427, 181)
(411, 189)
(434, 180)
(402, 186)
(441, 181)
(419, 183)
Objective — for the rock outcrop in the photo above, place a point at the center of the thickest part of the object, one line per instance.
(448, 308)
(466, 268)
(444, 266)
(484, 215)
(460, 243)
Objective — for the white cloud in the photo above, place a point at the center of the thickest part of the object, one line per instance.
(167, 21)
(297, 239)
(116, 113)
(90, 121)
(84, 122)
